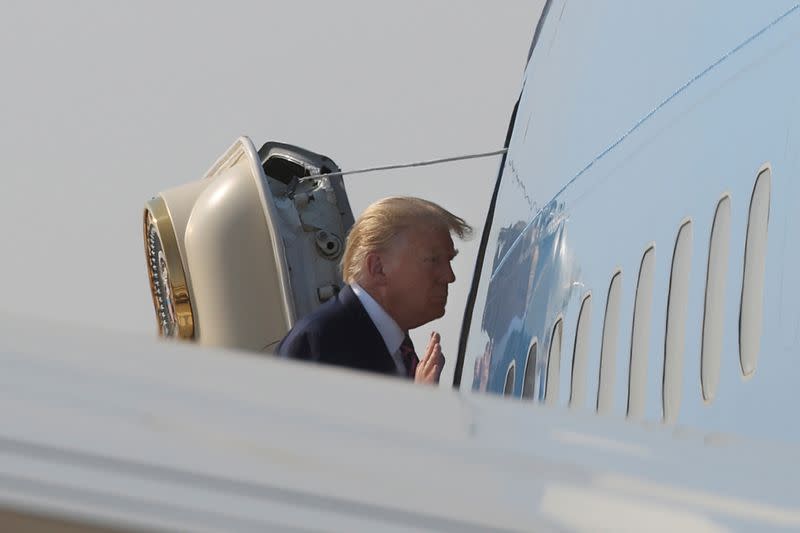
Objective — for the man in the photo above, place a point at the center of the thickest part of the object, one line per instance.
(397, 268)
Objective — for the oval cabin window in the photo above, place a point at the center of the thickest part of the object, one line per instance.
(755, 262)
(608, 348)
(529, 381)
(577, 397)
(554, 364)
(714, 305)
(675, 329)
(508, 388)
(640, 335)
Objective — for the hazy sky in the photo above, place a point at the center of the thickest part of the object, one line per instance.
(107, 103)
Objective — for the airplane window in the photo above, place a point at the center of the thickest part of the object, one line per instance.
(640, 335)
(608, 348)
(755, 255)
(577, 396)
(554, 364)
(675, 333)
(714, 307)
(508, 389)
(529, 382)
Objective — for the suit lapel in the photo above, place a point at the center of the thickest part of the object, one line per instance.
(371, 350)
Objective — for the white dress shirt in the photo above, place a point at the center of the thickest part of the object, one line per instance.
(392, 334)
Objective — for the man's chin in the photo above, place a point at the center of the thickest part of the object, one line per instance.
(433, 315)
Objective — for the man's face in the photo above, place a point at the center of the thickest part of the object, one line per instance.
(418, 271)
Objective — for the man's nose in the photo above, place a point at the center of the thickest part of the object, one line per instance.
(450, 276)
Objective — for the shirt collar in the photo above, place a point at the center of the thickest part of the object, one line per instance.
(392, 334)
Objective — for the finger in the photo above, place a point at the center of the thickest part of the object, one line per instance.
(427, 365)
(437, 344)
(435, 354)
(432, 375)
(429, 351)
(426, 375)
(421, 373)
(432, 357)
(437, 349)
(435, 359)
(431, 341)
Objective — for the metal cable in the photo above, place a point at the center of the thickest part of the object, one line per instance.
(407, 165)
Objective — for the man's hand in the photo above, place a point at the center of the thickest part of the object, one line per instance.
(431, 364)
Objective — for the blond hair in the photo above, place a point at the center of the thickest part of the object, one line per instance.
(386, 218)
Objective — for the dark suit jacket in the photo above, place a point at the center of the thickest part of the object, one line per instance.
(339, 332)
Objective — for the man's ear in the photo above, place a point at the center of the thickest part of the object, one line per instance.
(374, 264)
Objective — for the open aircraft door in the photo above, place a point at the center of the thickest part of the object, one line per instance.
(235, 258)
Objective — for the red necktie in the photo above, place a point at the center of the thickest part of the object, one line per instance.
(410, 358)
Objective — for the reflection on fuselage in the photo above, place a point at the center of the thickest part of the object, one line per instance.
(530, 284)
